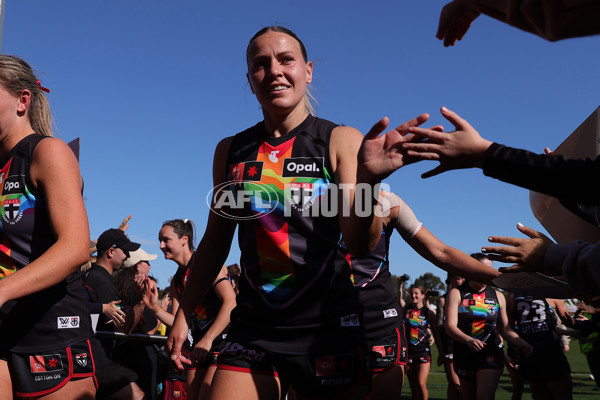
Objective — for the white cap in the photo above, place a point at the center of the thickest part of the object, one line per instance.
(137, 256)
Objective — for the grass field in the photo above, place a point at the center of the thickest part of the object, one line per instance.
(583, 386)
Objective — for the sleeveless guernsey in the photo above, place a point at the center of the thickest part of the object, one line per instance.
(371, 275)
(206, 312)
(416, 324)
(295, 278)
(54, 317)
(478, 312)
(535, 321)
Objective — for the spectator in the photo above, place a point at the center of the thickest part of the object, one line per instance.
(549, 174)
(140, 356)
(550, 19)
(113, 249)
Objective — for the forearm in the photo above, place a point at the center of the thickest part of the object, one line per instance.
(361, 227)
(221, 321)
(578, 262)
(206, 266)
(451, 259)
(457, 335)
(51, 268)
(553, 175)
(133, 318)
(164, 316)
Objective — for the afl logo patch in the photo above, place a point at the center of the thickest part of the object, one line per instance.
(306, 167)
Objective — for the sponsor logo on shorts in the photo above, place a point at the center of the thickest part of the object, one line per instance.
(237, 350)
(349, 320)
(306, 167)
(68, 322)
(384, 350)
(334, 365)
(81, 359)
(390, 313)
(41, 364)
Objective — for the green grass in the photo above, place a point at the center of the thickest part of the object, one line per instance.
(583, 387)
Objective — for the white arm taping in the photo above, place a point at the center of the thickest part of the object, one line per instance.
(407, 223)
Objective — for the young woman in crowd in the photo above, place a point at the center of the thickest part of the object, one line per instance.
(210, 318)
(475, 317)
(44, 238)
(418, 322)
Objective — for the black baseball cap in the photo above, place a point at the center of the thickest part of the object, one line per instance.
(116, 238)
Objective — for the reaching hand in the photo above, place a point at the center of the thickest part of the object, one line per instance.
(201, 350)
(176, 339)
(112, 311)
(379, 156)
(475, 345)
(455, 21)
(525, 347)
(526, 254)
(125, 224)
(463, 148)
(150, 296)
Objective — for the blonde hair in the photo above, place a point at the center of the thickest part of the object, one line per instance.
(16, 75)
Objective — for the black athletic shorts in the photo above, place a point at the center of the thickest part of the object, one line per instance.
(41, 373)
(467, 362)
(323, 375)
(388, 350)
(194, 335)
(546, 362)
(420, 358)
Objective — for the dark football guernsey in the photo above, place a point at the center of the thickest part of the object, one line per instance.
(371, 275)
(535, 321)
(54, 317)
(206, 312)
(295, 278)
(478, 312)
(416, 323)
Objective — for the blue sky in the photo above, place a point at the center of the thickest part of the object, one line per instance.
(152, 86)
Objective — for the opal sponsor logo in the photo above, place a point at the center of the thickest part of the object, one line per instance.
(306, 167)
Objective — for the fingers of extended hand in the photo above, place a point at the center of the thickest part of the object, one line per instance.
(413, 123)
(511, 269)
(437, 170)
(532, 233)
(377, 128)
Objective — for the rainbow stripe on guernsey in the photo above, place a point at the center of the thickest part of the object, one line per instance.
(416, 325)
(12, 208)
(480, 311)
(277, 275)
